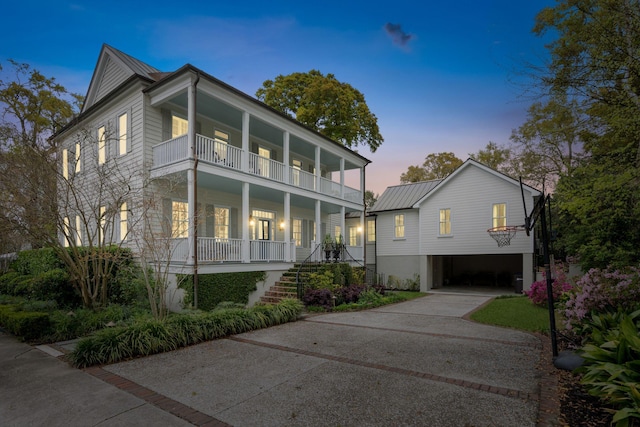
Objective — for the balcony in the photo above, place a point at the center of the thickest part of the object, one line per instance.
(223, 155)
(218, 250)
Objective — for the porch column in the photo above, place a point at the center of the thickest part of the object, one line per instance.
(342, 178)
(527, 271)
(362, 235)
(285, 158)
(191, 172)
(246, 118)
(343, 230)
(288, 256)
(317, 159)
(246, 241)
(319, 236)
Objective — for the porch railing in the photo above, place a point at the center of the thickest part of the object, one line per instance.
(217, 249)
(222, 154)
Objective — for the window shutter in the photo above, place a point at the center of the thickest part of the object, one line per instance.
(305, 233)
(209, 221)
(233, 223)
(166, 124)
(166, 216)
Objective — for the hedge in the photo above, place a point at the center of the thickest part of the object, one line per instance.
(28, 325)
(221, 287)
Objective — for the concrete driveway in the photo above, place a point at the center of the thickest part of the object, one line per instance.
(417, 363)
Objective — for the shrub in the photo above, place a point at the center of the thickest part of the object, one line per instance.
(36, 261)
(66, 325)
(602, 291)
(28, 325)
(611, 363)
(318, 297)
(54, 285)
(349, 294)
(321, 280)
(560, 285)
(150, 336)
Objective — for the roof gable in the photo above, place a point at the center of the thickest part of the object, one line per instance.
(113, 68)
(473, 163)
(403, 196)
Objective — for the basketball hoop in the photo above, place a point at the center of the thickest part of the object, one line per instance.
(503, 234)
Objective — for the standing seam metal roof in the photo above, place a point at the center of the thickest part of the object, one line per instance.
(403, 196)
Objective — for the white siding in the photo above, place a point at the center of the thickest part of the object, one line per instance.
(112, 77)
(470, 196)
(387, 243)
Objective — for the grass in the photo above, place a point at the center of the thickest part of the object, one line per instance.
(377, 300)
(514, 312)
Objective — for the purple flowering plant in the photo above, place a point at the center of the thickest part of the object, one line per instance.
(560, 285)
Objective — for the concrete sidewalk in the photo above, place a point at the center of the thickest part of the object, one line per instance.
(415, 363)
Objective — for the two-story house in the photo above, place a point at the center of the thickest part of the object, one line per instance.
(231, 183)
(437, 230)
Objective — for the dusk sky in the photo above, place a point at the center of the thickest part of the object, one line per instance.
(439, 76)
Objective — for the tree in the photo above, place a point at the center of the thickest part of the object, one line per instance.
(32, 108)
(435, 166)
(370, 199)
(595, 64)
(495, 157)
(335, 109)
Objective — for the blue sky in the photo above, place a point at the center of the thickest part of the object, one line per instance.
(439, 78)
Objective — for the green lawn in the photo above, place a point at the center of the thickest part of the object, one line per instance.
(514, 312)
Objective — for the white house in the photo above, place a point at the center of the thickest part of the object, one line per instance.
(191, 148)
(437, 230)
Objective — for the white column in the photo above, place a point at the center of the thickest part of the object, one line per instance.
(343, 230)
(246, 118)
(527, 271)
(287, 230)
(342, 178)
(319, 236)
(246, 242)
(362, 233)
(285, 157)
(191, 187)
(318, 188)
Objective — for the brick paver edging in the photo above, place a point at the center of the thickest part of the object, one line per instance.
(549, 406)
(503, 391)
(174, 407)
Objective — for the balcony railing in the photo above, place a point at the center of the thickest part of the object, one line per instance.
(222, 154)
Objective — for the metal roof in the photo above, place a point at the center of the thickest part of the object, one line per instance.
(135, 65)
(403, 196)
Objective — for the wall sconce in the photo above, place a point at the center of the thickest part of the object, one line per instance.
(359, 229)
(282, 225)
(252, 222)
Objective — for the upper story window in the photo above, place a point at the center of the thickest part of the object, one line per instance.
(78, 157)
(102, 224)
(499, 215)
(66, 229)
(179, 126)
(124, 224)
(445, 221)
(399, 225)
(122, 134)
(371, 230)
(65, 163)
(102, 145)
(78, 231)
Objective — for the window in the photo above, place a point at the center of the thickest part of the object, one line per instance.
(221, 218)
(102, 222)
(499, 215)
(296, 167)
(102, 145)
(262, 224)
(122, 134)
(179, 126)
(179, 219)
(263, 162)
(124, 229)
(65, 163)
(371, 230)
(78, 231)
(66, 227)
(337, 231)
(353, 236)
(399, 225)
(297, 231)
(77, 157)
(445, 222)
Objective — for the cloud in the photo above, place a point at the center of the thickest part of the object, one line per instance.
(396, 33)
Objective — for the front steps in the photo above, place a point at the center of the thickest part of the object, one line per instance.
(282, 289)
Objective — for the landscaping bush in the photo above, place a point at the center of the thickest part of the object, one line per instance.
(602, 291)
(54, 285)
(66, 325)
(36, 261)
(560, 285)
(611, 363)
(349, 294)
(150, 336)
(28, 325)
(318, 297)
